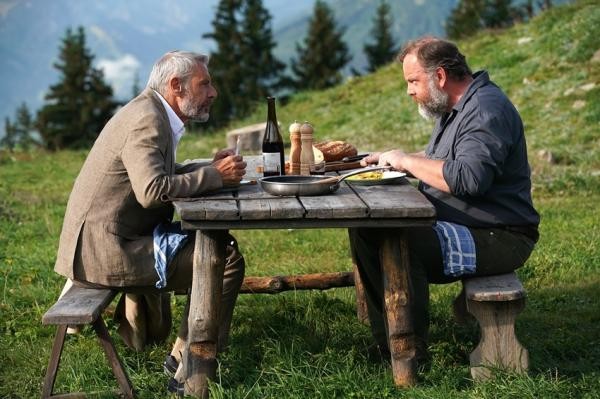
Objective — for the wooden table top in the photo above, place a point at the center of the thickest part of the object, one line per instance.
(250, 207)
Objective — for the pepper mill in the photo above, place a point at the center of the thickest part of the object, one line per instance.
(307, 157)
(295, 149)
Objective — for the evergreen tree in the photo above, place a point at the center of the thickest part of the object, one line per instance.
(382, 51)
(261, 70)
(469, 16)
(24, 127)
(465, 19)
(20, 133)
(135, 88)
(498, 14)
(79, 105)
(225, 65)
(9, 141)
(323, 54)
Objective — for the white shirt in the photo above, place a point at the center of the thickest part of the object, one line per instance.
(177, 126)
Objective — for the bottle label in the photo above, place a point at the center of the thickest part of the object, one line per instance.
(272, 162)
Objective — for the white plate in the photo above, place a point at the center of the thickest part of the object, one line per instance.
(389, 177)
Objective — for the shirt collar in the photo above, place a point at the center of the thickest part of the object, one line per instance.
(480, 78)
(177, 126)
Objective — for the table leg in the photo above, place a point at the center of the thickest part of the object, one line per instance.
(199, 358)
(395, 261)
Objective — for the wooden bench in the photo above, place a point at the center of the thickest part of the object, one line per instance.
(495, 301)
(80, 305)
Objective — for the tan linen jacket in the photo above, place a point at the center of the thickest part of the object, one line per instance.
(121, 194)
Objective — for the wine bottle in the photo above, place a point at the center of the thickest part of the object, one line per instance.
(272, 147)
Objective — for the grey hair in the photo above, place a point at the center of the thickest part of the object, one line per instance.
(176, 63)
(433, 52)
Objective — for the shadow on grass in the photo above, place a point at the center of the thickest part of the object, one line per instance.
(560, 327)
(273, 332)
(286, 332)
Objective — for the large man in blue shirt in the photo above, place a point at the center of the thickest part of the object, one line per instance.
(475, 172)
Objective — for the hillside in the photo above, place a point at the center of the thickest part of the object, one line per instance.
(549, 67)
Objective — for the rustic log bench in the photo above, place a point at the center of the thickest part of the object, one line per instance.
(81, 305)
(495, 301)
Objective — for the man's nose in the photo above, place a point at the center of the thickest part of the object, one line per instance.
(213, 92)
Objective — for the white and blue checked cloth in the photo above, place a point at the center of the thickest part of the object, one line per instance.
(458, 248)
(168, 239)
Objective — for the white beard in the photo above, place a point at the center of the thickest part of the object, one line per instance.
(436, 105)
(194, 111)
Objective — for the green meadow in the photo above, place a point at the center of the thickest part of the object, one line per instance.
(310, 344)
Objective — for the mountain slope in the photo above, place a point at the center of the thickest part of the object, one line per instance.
(550, 68)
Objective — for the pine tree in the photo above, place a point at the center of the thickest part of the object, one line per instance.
(498, 14)
(469, 16)
(135, 88)
(262, 72)
(323, 54)
(20, 133)
(225, 65)
(382, 51)
(24, 127)
(79, 105)
(9, 141)
(465, 19)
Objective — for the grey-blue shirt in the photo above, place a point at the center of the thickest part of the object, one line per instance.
(483, 145)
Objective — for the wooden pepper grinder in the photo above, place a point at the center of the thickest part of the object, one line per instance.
(307, 158)
(295, 149)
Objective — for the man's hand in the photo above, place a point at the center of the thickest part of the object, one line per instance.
(394, 158)
(232, 168)
(370, 159)
(429, 171)
(223, 154)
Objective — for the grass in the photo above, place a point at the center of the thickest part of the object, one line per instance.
(310, 344)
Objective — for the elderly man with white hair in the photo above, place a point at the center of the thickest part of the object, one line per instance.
(119, 214)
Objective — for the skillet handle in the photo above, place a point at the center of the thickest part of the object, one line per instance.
(339, 178)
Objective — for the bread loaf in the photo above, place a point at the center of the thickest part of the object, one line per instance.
(336, 150)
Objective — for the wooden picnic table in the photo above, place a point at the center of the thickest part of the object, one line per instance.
(397, 206)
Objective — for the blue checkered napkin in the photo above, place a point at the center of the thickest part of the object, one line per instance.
(168, 239)
(458, 248)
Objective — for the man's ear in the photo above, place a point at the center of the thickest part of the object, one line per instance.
(175, 86)
(441, 75)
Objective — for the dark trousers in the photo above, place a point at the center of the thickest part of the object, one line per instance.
(498, 251)
(144, 313)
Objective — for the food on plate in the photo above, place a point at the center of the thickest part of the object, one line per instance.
(335, 150)
(375, 175)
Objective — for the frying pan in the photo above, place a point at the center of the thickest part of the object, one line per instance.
(293, 185)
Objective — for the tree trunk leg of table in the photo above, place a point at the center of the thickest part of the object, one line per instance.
(199, 358)
(361, 301)
(395, 262)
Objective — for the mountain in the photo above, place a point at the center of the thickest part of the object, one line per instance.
(411, 18)
(127, 36)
